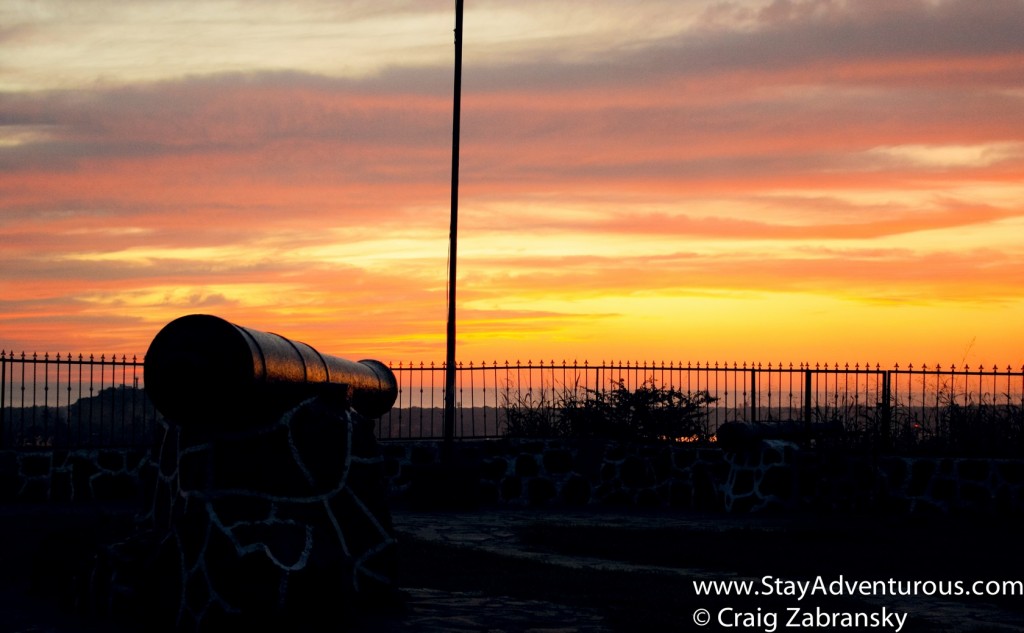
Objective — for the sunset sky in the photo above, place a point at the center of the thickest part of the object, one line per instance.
(761, 181)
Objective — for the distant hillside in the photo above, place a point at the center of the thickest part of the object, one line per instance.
(417, 422)
(116, 416)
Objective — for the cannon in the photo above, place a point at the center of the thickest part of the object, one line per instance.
(203, 369)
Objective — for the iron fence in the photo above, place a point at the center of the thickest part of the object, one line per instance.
(904, 408)
(78, 401)
(73, 402)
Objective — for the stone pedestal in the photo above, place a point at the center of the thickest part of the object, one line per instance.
(283, 523)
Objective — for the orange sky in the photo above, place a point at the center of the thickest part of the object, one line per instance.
(766, 181)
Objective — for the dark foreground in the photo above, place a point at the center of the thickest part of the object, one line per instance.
(593, 571)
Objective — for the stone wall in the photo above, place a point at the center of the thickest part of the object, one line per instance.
(285, 522)
(780, 476)
(80, 475)
(280, 524)
(567, 473)
(773, 475)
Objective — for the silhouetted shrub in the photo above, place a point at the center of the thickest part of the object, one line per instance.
(647, 413)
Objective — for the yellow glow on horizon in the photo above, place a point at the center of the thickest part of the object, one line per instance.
(780, 327)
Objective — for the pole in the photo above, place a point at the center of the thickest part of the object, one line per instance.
(807, 398)
(449, 373)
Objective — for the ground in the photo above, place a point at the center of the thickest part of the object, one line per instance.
(587, 571)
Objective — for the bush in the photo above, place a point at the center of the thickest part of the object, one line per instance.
(649, 413)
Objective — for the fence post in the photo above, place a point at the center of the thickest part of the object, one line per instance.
(3, 396)
(807, 398)
(887, 408)
(753, 393)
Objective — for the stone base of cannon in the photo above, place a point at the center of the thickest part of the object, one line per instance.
(283, 523)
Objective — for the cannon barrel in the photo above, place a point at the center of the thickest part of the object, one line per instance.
(201, 368)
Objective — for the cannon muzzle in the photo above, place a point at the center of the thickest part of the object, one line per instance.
(201, 368)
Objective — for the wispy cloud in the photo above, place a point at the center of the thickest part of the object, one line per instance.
(291, 171)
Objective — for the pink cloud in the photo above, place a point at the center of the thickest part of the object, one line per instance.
(779, 111)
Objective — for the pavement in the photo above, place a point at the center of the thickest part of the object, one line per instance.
(497, 532)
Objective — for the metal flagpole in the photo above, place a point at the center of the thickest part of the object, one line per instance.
(449, 374)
